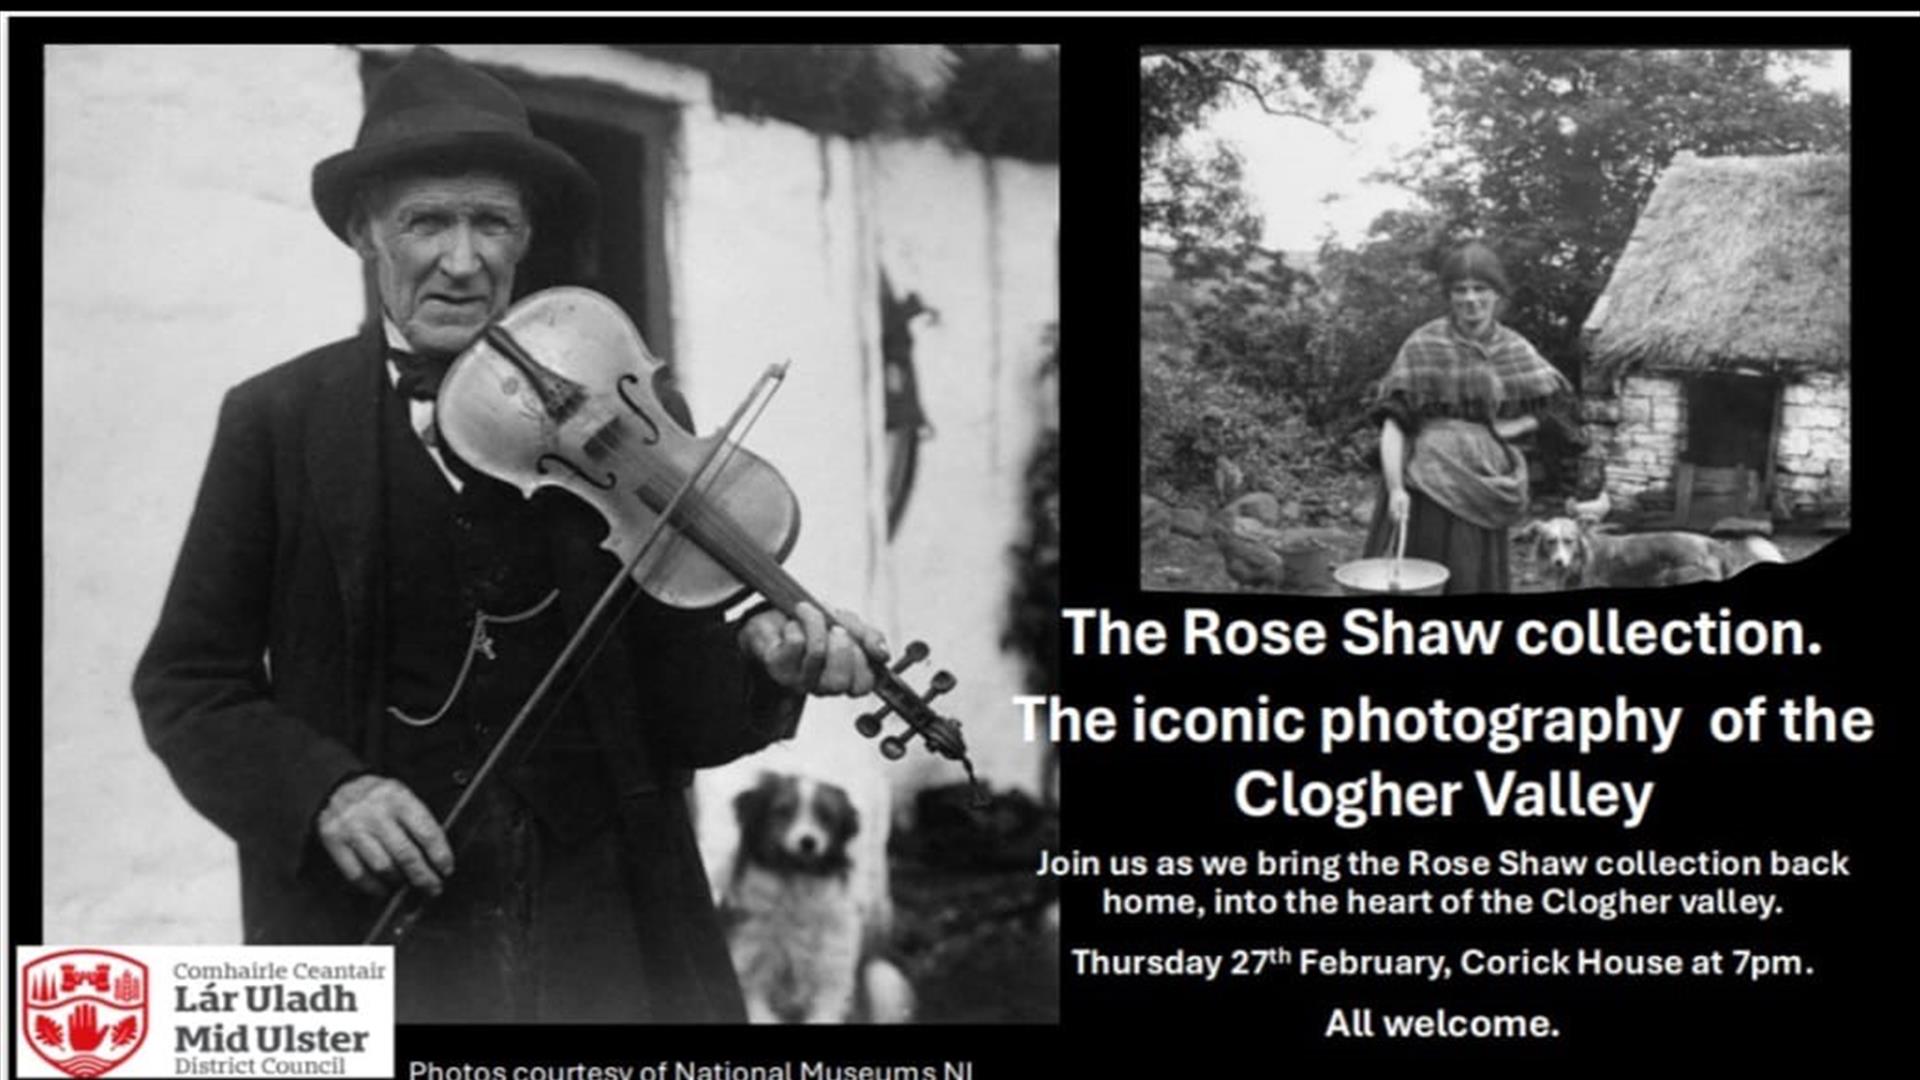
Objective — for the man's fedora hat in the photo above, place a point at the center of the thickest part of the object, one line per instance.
(436, 113)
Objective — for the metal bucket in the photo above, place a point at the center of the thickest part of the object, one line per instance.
(1377, 577)
(1393, 575)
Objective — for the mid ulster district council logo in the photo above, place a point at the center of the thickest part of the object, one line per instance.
(84, 1010)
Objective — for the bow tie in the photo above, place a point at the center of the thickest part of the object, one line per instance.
(419, 375)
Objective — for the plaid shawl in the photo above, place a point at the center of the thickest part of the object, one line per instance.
(1441, 372)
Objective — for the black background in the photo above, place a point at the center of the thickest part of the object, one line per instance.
(1854, 597)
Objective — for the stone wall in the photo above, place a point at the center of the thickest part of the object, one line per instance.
(1637, 433)
(1636, 436)
(1814, 458)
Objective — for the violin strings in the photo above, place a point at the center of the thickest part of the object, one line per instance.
(731, 546)
(716, 533)
(716, 528)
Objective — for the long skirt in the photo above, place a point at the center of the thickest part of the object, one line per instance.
(1476, 559)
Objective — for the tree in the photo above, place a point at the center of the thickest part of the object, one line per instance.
(1191, 194)
(1180, 88)
(1384, 289)
(1197, 204)
(1236, 380)
(1552, 153)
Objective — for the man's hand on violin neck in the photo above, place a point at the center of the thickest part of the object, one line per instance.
(380, 835)
(807, 654)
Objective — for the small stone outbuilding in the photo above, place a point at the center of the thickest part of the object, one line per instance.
(1717, 374)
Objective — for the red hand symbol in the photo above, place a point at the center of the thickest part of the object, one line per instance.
(84, 1029)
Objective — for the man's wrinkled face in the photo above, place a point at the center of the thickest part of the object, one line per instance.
(443, 249)
(1472, 302)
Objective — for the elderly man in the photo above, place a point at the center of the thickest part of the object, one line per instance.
(356, 614)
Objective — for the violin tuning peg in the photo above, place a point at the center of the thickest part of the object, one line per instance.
(943, 681)
(868, 724)
(893, 748)
(915, 652)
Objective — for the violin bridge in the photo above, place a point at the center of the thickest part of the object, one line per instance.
(605, 440)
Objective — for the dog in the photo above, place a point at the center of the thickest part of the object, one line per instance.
(799, 942)
(1578, 554)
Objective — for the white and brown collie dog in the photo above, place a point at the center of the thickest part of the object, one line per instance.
(1575, 553)
(800, 944)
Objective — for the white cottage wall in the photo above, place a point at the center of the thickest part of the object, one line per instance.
(178, 227)
(976, 239)
(780, 240)
(182, 255)
(770, 264)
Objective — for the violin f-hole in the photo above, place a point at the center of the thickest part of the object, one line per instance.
(620, 386)
(540, 466)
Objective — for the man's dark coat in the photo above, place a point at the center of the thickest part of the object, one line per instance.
(262, 687)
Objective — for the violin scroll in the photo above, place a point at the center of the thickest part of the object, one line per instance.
(940, 734)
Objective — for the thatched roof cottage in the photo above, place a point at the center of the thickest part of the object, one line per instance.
(1717, 382)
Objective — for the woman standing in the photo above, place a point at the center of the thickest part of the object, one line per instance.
(1460, 388)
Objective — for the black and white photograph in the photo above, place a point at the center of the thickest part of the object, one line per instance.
(564, 546)
(1454, 321)
(564, 510)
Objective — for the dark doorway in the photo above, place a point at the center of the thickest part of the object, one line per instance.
(1726, 469)
(1730, 420)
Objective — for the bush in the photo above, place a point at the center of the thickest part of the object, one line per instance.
(1191, 417)
(1257, 368)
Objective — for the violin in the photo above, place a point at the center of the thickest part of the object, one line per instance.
(561, 391)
